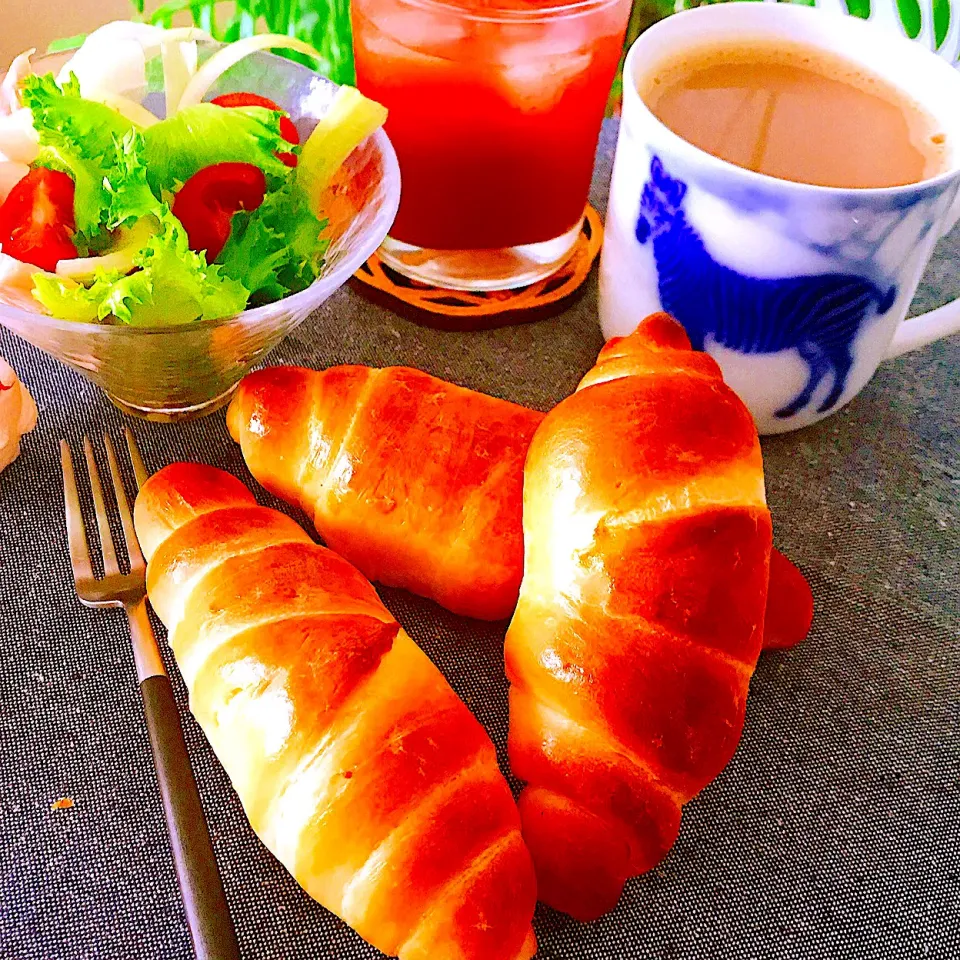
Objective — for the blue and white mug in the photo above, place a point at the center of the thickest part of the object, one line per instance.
(798, 291)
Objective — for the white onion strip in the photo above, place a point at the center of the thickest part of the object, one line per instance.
(173, 35)
(85, 268)
(113, 58)
(136, 113)
(225, 58)
(179, 66)
(130, 242)
(9, 88)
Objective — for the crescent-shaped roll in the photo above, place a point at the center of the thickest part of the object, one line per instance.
(415, 481)
(356, 763)
(640, 616)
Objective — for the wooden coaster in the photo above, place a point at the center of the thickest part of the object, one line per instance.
(462, 310)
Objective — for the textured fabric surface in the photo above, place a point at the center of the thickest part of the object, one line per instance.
(833, 833)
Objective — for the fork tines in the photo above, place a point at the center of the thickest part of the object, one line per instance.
(114, 587)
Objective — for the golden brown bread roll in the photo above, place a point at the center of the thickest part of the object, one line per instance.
(438, 511)
(415, 481)
(356, 763)
(641, 611)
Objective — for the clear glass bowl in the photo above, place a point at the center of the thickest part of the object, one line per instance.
(180, 372)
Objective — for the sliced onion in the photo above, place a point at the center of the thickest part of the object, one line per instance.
(11, 174)
(113, 59)
(179, 65)
(129, 243)
(9, 89)
(85, 268)
(232, 54)
(149, 37)
(136, 113)
(175, 35)
(18, 138)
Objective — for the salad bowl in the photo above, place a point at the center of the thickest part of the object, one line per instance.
(183, 371)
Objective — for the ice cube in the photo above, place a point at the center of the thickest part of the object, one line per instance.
(412, 32)
(535, 82)
(539, 61)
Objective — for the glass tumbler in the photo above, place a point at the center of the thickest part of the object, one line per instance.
(495, 110)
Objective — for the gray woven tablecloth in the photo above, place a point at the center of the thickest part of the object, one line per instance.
(835, 831)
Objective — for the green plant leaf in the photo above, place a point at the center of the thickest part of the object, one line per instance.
(130, 196)
(324, 25)
(65, 44)
(858, 8)
(941, 21)
(166, 11)
(910, 17)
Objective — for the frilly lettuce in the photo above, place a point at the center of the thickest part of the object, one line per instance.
(173, 285)
(276, 249)
(125, 184)
(81, 138)
(199, 136)
(69, 300)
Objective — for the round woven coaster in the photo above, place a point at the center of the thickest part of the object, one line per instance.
(461, 310)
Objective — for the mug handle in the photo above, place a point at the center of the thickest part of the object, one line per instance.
(917, 332)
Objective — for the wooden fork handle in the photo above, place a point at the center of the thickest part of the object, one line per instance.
(208, 916)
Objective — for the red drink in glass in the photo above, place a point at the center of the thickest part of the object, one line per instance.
(495, 109)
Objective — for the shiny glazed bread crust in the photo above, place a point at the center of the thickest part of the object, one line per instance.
(640, 616)
(416, 481)
(356, 763)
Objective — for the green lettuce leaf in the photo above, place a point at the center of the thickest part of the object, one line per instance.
(276, 249)
(69, 300)
(204, 134)
(77, 137)
(62, 110)
(130, 196)
(172, 285)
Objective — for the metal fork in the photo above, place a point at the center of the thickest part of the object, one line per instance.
(208, 916)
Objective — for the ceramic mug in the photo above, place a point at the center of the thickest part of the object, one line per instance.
(798, 291)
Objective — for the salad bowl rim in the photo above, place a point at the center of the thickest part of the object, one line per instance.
(372, 237)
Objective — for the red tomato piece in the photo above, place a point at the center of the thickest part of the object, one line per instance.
(206, 203)
(37, 221)
(287, 130)
(789, 605)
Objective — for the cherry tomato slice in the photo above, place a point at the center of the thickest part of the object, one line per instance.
(287, 130)
(206, 203)
(37, 221)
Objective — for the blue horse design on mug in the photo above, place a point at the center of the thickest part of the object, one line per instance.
(817, 315)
